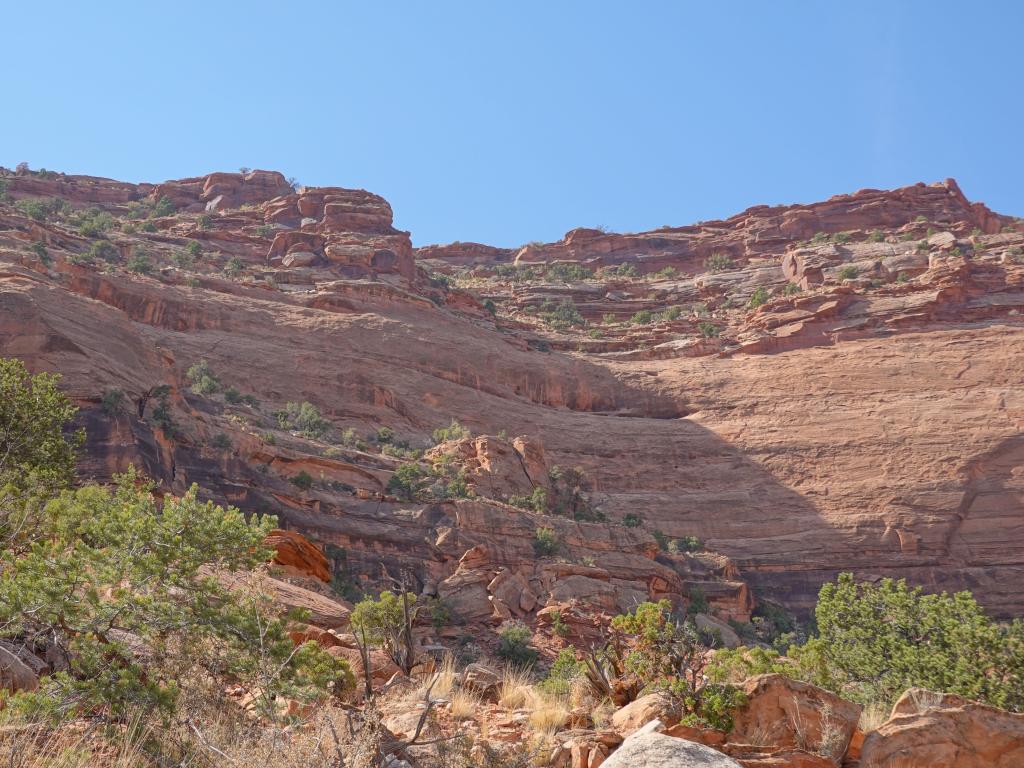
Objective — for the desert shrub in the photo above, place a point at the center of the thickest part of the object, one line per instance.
(876, 236)
(147, 226)
(93, 222)
(718, 262)
(164, 207)
(139, 262)
(632, 520)
(386, 623)
(708, 330)
(161, 412)
(558, 625)
(685, 544)
(663, 652)
(565, 670)
(385, 435)
(202, 379)
(536, 501)
(35, 208)
(491, 307)
(438, 611)
(562, 315)
(569, 495)
(877, 640)
(453, 431)
(233, 267)
(39, 249)
(103, 250)
(791, 289)
(514, 646)
(112, 402)
(405, 481)
(302, 480)
(204, 221)
(849, 272)
(698, 601)
(667, 273)
(608, 318)
(643, 317)
(661, 539)
(303, 418)
(758, 297)
(839, 238)
(567, 272)
(131, 574)
(545, 542)
(672, 313)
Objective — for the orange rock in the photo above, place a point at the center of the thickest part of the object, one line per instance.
(297, 555)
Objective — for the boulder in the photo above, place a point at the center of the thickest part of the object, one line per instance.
(655, 750)
(324, 612)
(653, 706)
(15, 674)
(296, 554)
(938, 731)
(719, 628)
(482, 679)
(789, 713)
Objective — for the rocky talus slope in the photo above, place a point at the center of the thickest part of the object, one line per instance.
(803, 389)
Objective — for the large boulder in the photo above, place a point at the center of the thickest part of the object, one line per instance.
(945, 731)
(297, 555)
(720, 629)
(636, 714)
(655, 750)
(15, 674)
(789, 713)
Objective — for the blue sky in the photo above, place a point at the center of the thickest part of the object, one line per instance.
(516, 121)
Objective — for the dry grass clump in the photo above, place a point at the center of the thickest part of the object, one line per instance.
(515, 691)
(548, 713)
(464, 704)
(872, 716)
(442, 680)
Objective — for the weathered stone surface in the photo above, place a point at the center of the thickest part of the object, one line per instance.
(945, 731)
(653, 706)
(789, 713)
(297, 555)
(15, 674)
(655, 750)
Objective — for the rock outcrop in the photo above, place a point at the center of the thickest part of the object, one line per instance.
(868, 421)
(655, 750)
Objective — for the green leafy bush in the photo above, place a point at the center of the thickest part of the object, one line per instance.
(302, 480)
(202, 379)
(386, 623)
(139, 262)
(708, 330)
(567, 272)
(849, 272)
(453, 431)
(632, 520)
(643, 317)
(164, 207)
(104, 250)
(112, 402)
(563, 315)
(718, 262)
(564, 671)
(758, 297)
(303, 418)
(545, 542)
(514, 646)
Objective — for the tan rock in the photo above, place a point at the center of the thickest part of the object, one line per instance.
(298, 555)
(789, 713)
(945, 732)
(653, 706)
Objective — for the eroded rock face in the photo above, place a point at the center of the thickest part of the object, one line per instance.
(793, 714)
(852, 426)
(297, 555)
(945, 731)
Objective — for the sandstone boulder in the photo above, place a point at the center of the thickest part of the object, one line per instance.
(790, 713)
(636, 714)
(655, 750)
(15, 674)
(939, 731)
(297, 555)
(727, 635)
(482, 679)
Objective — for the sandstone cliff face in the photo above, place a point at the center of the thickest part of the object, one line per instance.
(870, 422)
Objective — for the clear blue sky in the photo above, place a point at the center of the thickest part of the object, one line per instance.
(504, 122)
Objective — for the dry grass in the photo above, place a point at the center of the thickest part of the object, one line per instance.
(548, 714)
(602, 713)
(464, 704)
(515, 691)
(925, 700)
(442, 680)
(832, 743)
(872, 716)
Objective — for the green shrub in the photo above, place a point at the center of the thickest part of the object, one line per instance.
(303, 418)
(233, 267)
(563, 673)
(147, 226)
(202, 379)
(405, 481)
(453, 431)
(545, 542)
(791, 289)
(386, 623)
(567, 272)
(876, 236)
(698, 602)
(632, 520)
(667, 273)
(139, 263)
(643, 317)
(718, 262)
(93, 222)
(672, 313)
(103, 250)
(536, 501)
(35, 208)
(385, 435)
(849, 272)
(164, 207)
(302, 480)
(39, 249)
(514, 640)
(708, 330)
(685, 544)
(608, 318)
(112, 402)
(563, 315)
(758, 297)
(661, 539)
(204, 221)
